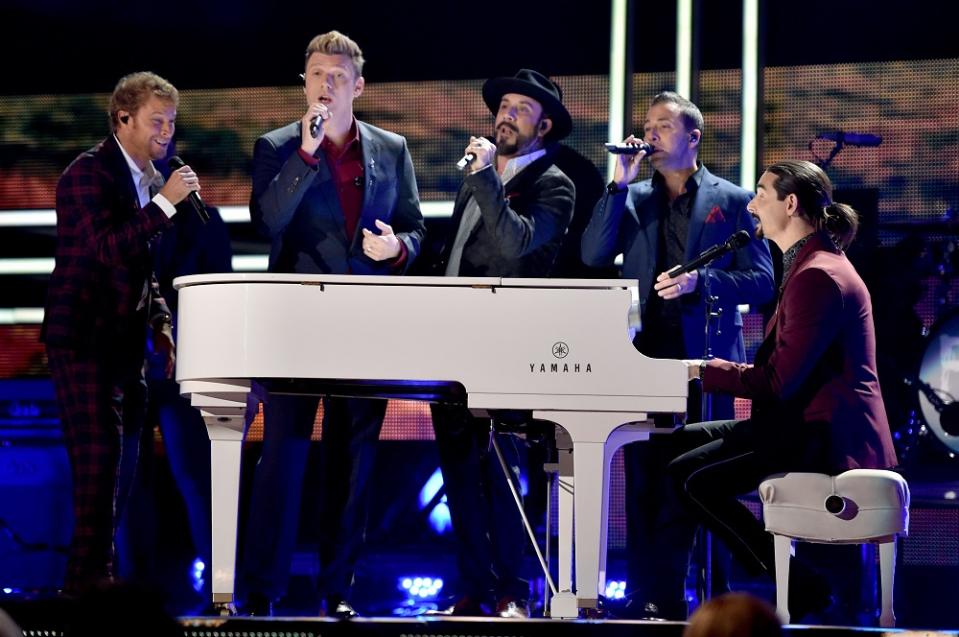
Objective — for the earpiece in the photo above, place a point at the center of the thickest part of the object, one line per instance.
(124, 118)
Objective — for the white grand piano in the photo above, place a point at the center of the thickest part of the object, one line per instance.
(560, 348)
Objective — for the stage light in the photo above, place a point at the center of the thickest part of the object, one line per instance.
(420, 588)
(440, 515)
(615, 589)
(196, 574)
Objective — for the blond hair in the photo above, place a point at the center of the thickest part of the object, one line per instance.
(133, 91)
(336, 43)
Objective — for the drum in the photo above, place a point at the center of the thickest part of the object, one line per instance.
(938, 382)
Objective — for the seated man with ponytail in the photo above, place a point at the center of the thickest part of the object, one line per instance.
(816, 404)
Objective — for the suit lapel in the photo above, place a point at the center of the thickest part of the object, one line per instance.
(519, 185)
(323, 183)
(462, 196)
(117, 165)
(370, 146)
(703, 203)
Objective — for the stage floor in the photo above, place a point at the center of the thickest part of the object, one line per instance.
(140, 617)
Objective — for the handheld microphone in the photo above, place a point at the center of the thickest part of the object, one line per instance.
(734, 242)
(175, 163)
(851, 139)
(629, 149)
(315, 125)
(468, 158)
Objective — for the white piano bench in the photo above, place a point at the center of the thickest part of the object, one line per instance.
(859, 506)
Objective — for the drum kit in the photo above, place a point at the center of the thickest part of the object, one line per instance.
(922, 399)
(931, 430)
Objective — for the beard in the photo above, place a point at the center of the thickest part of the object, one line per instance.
(512, 144)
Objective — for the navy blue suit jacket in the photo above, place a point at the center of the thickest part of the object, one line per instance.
(298, 208)
(627, 223)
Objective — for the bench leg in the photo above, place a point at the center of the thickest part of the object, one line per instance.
(784, 549)
(887, 579)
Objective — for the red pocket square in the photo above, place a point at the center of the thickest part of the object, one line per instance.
(715, 215)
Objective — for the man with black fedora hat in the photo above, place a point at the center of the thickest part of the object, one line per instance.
(509, 220)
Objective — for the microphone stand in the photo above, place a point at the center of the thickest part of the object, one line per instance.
(713, 313)
(824, 163)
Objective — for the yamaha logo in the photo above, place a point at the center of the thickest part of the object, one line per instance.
(560, 350)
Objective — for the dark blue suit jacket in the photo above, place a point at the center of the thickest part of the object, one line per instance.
(627, 223)
(298, 208)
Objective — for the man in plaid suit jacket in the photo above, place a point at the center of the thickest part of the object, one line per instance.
(101, 300)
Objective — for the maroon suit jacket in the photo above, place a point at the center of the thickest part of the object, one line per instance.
(818, 360)
(102, 258)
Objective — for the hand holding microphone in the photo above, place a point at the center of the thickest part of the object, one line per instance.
(683, 279)
(184, 184)
(478, 154)
(629, 156)
(311, 126)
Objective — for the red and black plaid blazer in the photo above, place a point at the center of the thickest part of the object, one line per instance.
(102, 256)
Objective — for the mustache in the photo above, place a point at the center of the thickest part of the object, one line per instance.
(512, 127)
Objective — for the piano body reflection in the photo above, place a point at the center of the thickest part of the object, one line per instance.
(558, 348)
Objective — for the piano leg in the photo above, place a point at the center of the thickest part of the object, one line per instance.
(223, 405)
(226, 445)
(595, 437)
(563, 604)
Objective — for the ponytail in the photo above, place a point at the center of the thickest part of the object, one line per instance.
(841, 222)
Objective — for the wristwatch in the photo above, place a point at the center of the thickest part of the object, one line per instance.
(613, 189)
(702, 370)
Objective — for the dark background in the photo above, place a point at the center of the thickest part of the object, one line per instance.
(69, 46)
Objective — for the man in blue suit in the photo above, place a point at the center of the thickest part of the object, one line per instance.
(656, 224)
(335, 196)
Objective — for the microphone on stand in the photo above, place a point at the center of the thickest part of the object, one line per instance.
(629, 149)
(851, 139)
(175, 163)
(734, 242)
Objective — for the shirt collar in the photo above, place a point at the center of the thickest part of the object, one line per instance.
(150, 171)
(692, 183)
(352, 138)
(515, 165)
(789, 256)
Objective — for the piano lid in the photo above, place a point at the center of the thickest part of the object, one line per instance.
(432, 281)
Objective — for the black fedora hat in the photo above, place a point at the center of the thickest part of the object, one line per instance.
(540, 88)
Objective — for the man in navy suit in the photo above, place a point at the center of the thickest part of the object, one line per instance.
(656, 224)
(335, 196)
(103, 301)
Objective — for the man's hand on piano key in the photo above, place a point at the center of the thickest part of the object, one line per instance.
(380, 247)
(673, 288)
